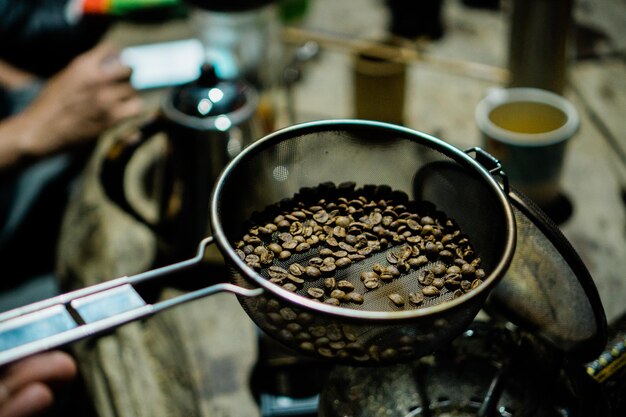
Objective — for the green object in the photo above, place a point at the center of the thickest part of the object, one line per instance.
(126, 6)
(292, 10)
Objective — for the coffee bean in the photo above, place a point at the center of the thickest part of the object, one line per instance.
(416, 298)
(430, 291)
(329, 284)
(343, 262)
(345, 286)
(355, 297)
(332, 301)
(371, 283)
(426, 278)
(315, 292)
(338, 294)
(397, 299)
(296, 269)
(312, 272)
(368, 275)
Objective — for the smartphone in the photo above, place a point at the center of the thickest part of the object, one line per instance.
(164, 64)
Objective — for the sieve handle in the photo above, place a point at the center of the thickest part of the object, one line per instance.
(93, 310)
(491, 164)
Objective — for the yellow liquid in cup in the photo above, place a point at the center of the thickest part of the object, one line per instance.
(527, 117)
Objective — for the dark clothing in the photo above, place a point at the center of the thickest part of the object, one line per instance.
(36, 36)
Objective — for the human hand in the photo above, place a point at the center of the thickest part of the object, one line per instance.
(26, 386)
(92, 94)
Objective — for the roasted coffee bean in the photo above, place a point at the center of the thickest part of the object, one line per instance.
(303, 247)
(275, 247)
(327, 268)
(355, 348)
(294, 279)
(338, 345)
(329, 284)
(303, 337)
(427, 220)
(393, 270)
(318, 331)
(296, 269)
(338, 294)
(275, 271)
(371, 283)
(343, 262)
(453, 270)
(467, 269)
(438, 269)
(334, 333)
(290, 244)
(345, 286)
(355, 257)
(312, 272)
(426, 278)
(430, 291)
(272, 305)
(252, 258)
(343, 221)
(293, 327)
(332, 301)
(452, 280)
(315, 292)
(307, 347)
(416, 298)
(438, 283)
(326, 352)
(276, 318)
(341, 229)
(397, 299)
(389, 354)
(304, 319)
(288, 314)
(355, 297)
(321, 216)
(366, 275)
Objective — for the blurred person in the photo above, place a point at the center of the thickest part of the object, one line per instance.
(60, 89)
(43, 147)
(27, 387)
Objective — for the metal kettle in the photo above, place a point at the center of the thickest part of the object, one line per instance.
(206, 123)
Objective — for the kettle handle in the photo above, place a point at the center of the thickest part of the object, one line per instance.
(115, 163)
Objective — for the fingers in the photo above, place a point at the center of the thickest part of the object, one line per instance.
(49, 367)
(29, 401)
(24, 385)
(103, 63)
(120, 102)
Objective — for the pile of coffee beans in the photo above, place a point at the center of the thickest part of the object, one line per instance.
(307, 243)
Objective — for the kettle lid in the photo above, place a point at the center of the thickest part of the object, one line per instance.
(211, 103)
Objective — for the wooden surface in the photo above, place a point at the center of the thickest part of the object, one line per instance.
(194, 359)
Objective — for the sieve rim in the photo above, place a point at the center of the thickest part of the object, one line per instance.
(333, 125)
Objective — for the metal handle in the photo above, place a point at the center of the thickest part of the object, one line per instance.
(491, 164)
(87, 312)
(115, 163)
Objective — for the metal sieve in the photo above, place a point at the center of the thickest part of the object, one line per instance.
(271, 170)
